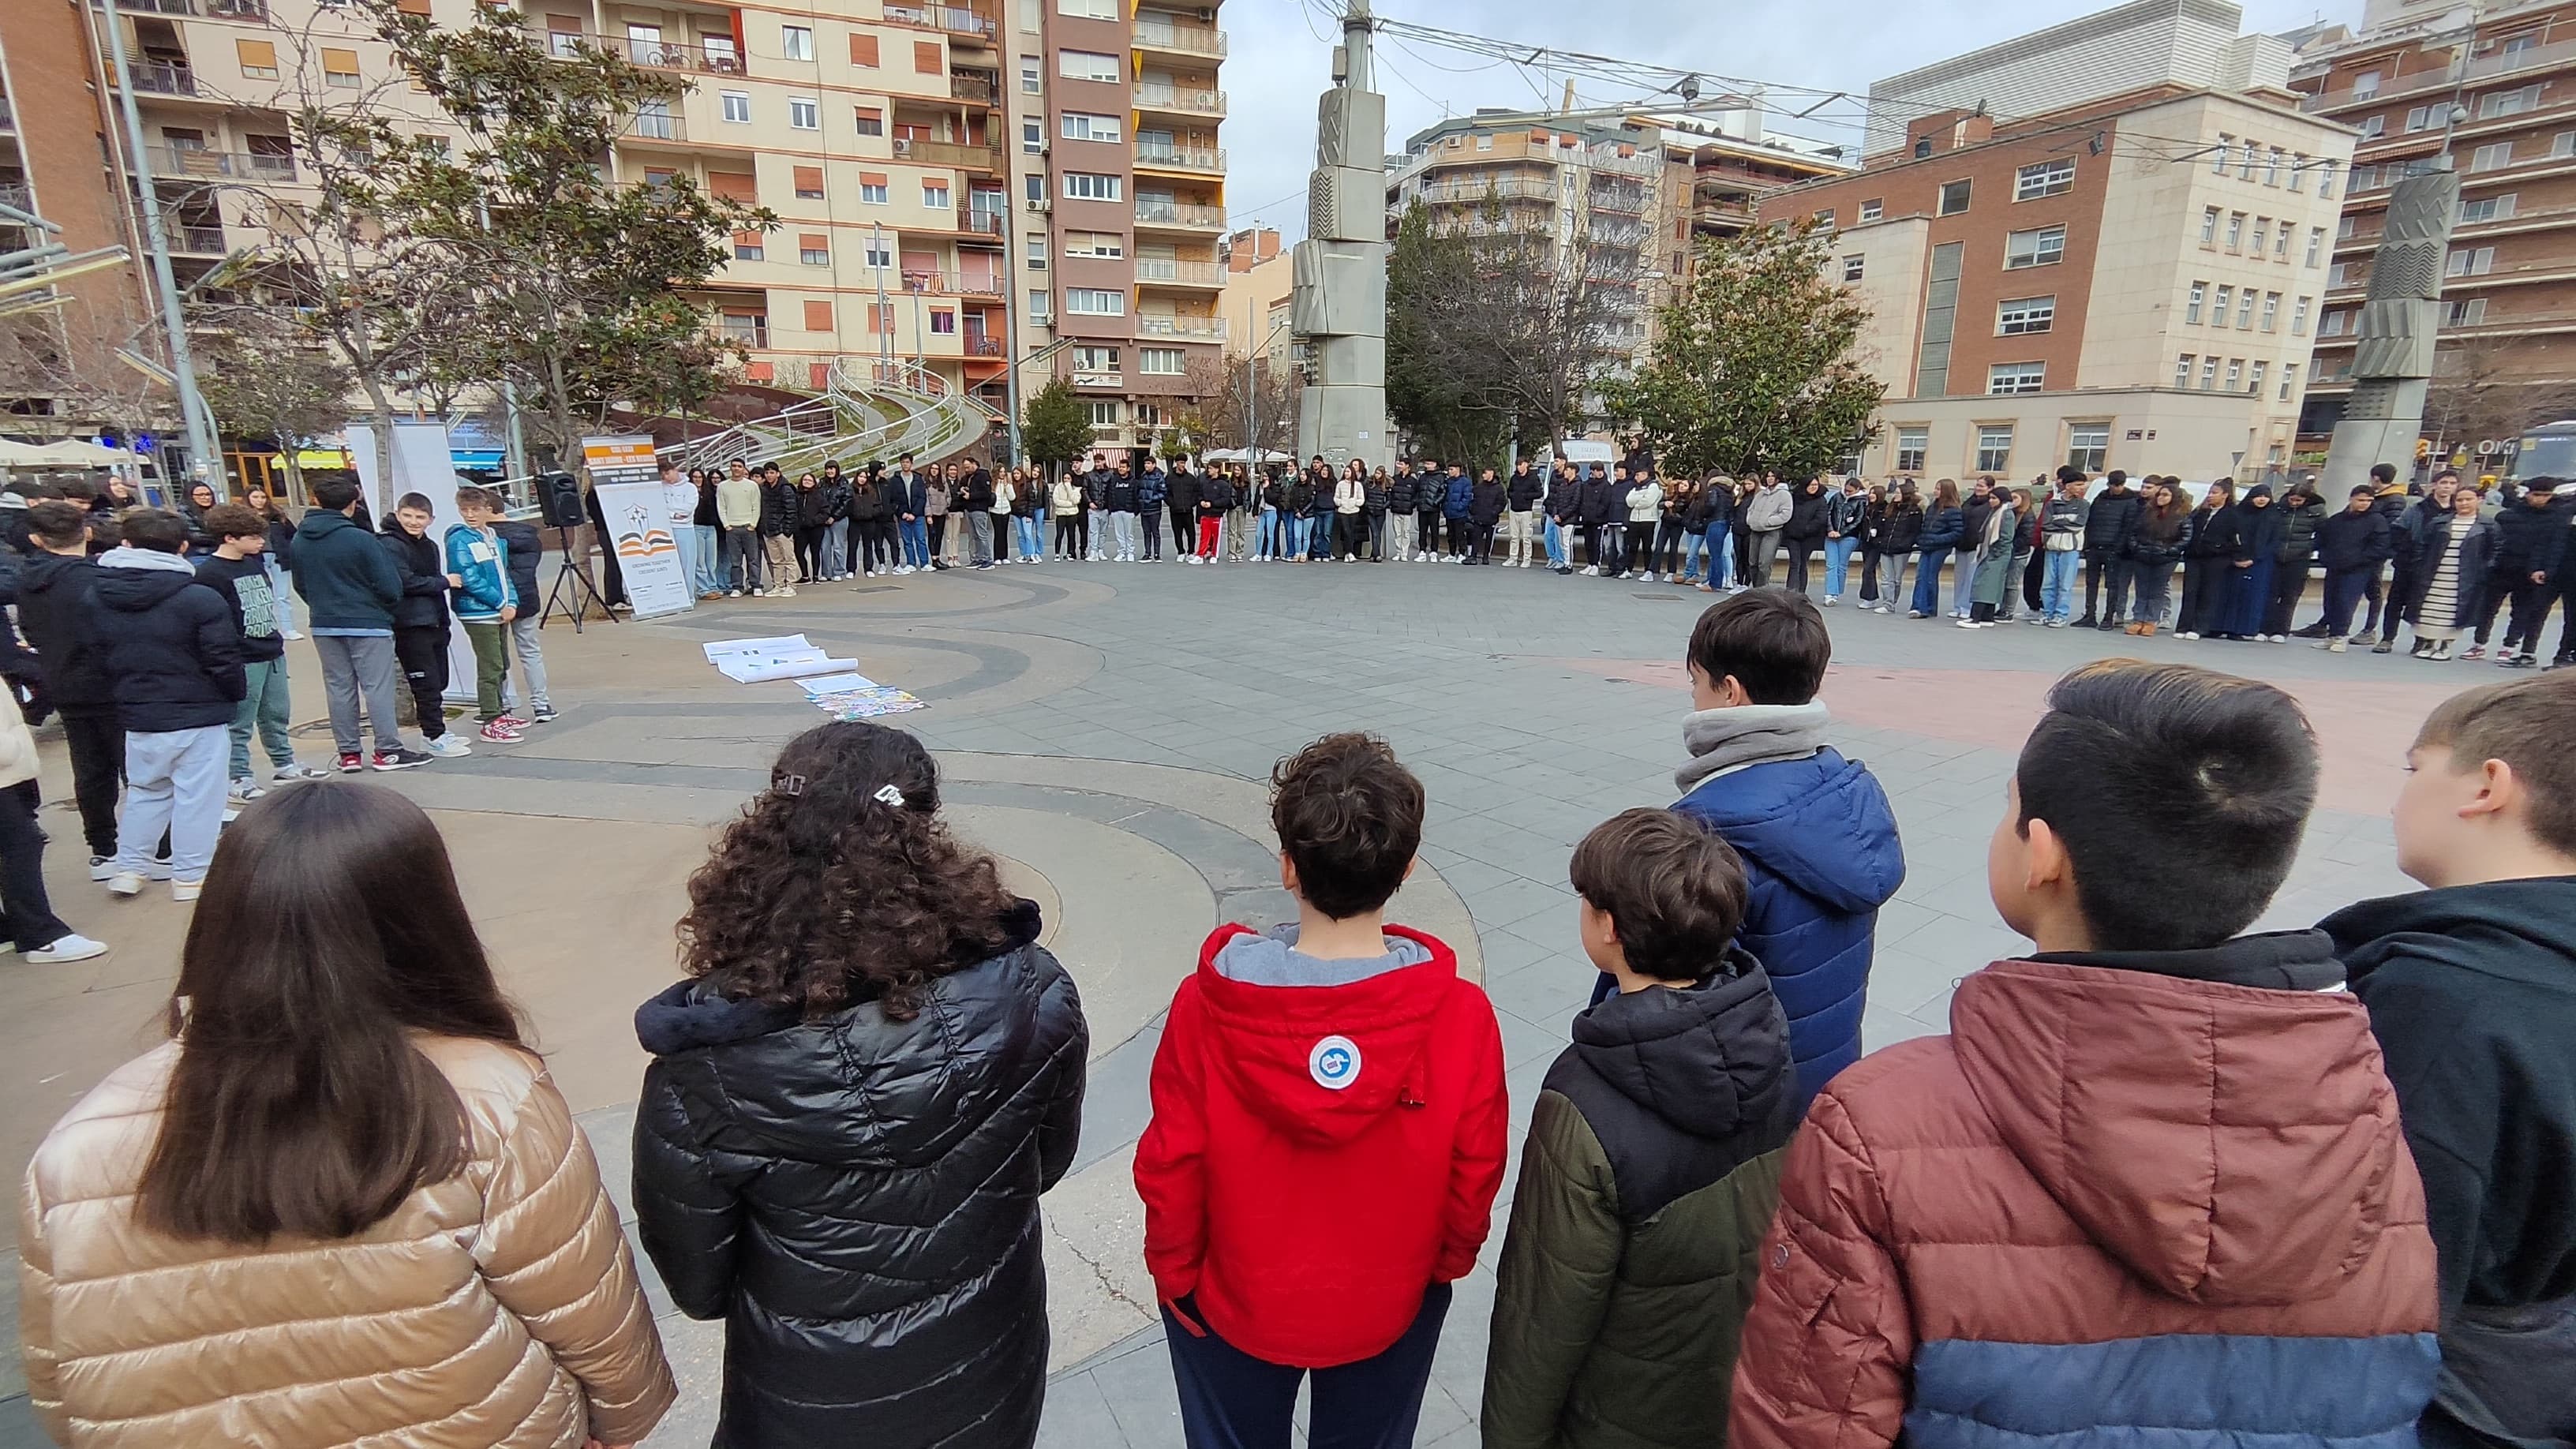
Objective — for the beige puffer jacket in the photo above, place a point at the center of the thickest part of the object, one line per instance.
(498, 1308)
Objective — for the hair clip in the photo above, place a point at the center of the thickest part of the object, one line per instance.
(788, 785)
(890, 794)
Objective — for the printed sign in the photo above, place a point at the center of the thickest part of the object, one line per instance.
(629, 485)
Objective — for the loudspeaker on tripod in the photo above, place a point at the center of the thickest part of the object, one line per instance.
(559, 500)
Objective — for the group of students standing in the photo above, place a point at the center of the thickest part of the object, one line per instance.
(2163, 1180)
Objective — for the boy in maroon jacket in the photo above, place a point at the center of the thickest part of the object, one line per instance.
(1328, 1131)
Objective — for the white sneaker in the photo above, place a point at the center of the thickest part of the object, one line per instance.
(449, 747)
(297, 771)
(1591, 571)
(1831, 600)
(1650, 578)
(242, 792)
(125, 883)
(1967, 623)
(74, 947)
(289, 634)
(102, 868)
(784, 591)
(184, 891)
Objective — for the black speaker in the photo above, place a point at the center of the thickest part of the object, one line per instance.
(559, 500)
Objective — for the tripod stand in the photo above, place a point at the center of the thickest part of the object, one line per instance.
(573, 591)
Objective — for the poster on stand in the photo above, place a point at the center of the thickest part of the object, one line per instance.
(423, 462)
(629, 484)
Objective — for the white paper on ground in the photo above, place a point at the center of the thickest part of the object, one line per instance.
(758, 671)
(784, 643)
(837, 684)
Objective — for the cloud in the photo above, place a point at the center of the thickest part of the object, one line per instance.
(1280, 57)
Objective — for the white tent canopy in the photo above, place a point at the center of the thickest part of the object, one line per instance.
(1240, 455)
(67, 454)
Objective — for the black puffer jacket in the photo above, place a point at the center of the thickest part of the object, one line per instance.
(2110, 521)
(858, 1199)
(1400, 493)
(1904, 530)
(2299, 525)
(173, 656)
(1809, 513)
(423, 567)
(1524, 488)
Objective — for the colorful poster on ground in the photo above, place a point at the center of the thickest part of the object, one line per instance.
(639, 525)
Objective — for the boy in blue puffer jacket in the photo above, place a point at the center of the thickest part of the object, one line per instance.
(1818, 839)
(486, 602)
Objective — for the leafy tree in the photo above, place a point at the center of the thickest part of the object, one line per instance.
(271, 378)
(1753, 366)
(1055, 426)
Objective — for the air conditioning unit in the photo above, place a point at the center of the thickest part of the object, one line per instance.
(1207, 15)
(1041, 203)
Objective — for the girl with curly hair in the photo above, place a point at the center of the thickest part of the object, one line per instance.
(855, 1100)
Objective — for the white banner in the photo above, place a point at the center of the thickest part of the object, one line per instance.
(423, 463)
(639, 528)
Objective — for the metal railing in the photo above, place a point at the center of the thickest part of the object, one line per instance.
(955, 19)
(177, 161)
(201, 240)
(1190, 99)
(8, 119)
(656, 123)
(681, 55)
(151, 7)
(16, 195)
(1179, 213)
(982, 90)
(1195, 39)
(951, 284)
(1504, 188)
(978, 221)
(1152, 325)
(237, 9)
(983, 346)
(1189, 158)
(1166, 269)
(163, 79)
(947, 153)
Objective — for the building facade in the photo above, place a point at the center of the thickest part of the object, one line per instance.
(2125, 283)
(1259, 275)
(2494, 88)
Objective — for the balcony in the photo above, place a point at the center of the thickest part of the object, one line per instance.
(173, 162)
(744, 334)
(952, 284)
(656, 122)
(681, 55)
(203, 241)
(1164, 271)
(947, 153)
(974, 88)
(953, 19)
(1180, 214)
(1470, 190)
(151, 7)
(1182, 158)
(1625, 200)
(238, 9)
(983, 346)
(1722, 214)
(1180, 100)
(160, 78)
(16, 196)
(8, 118)
(1204, 40)
(1195, 329)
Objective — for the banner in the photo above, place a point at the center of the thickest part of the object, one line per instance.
(422, 463)
(629, 484)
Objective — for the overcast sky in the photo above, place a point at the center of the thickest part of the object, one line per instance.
(1279, 58)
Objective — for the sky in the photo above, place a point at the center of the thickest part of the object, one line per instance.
(1279, 58)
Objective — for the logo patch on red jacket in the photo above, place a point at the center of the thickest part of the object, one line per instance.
(1334, 1063)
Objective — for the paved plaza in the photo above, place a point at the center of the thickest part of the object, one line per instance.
(1109, 730)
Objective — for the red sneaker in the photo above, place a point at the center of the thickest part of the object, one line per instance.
(351, 762)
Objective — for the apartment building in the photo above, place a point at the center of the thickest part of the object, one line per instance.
(2506, 356)
(1121, 185)
(2129, 282)
(1260, 275)
(879, 131)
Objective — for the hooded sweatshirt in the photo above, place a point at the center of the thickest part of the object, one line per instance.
(58, 613)
(1652, 1167)
(347, 581)
(1327, 1141)
(174, 658)
(2113, 1208)
(1821, 855)
(2472, 994)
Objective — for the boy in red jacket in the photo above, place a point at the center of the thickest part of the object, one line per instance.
(1328, 1131)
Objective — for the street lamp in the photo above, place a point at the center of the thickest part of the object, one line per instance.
(1252, 398)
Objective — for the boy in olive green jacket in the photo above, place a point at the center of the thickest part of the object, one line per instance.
(1653, 1161)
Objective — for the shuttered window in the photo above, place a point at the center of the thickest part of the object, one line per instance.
(863, 50)
(818, 316)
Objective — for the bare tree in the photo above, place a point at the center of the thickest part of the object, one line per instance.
(267, 377)
(55, 377)
(1254, 392)
(2489, 387)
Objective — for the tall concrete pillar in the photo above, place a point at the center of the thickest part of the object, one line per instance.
(1339, 303)
(2392, 363)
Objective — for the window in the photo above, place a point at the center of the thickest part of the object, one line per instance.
(2325, 180)
(2289, 379)
(880, 254)
(1032, 136)
(863, 50)
(1031, 73)
(2374, 127)
(804, 113)
(1094, 244)
(1037, 253)
(747, 246)
(2464, 314)
(1041, 306)
(2508, 103)
(2425, 118)
(934, 195)
(340, 68)
(2331, 324)
(2030, 314)
(2235, 372)
(2191, 309)
(2039, 248)
(2182, 370)
(258, 58)
(1149, 415)
(2218, 313)
(925, 58)
(1824, 218)
(2208, 373)
(1093, 186)
(2088, 446)
(2005, 378)
(1095, 301)
(2298, 170)
(1088, 9)
(2254, 380)
(2493, 156)
(1872, 209)
(739, 186)
(1954, 197)
(2235, 229)
(1161, 361)
(2299, 318)
(1082, 126)
(2262, 237)
(2218, 163)
(872, 188)
(1035, 184)
(2470, 262)
(2345, 226)
(1853, 268)
(880, 319)
(2281, 242)
(2044, 178)
(2562, 145)
(1994, 447)
(943, 322)
(2272, 168)
(1087, 65)
(2245, 310)
(818, 316)
(1912, 444)
(2488, 208)
(2209, 227)
(796, 42)
(2316, 244)
(809, 183)
(2365, 85)
(1104, 414)
(736, 106)
(2271, 311)
(814, 249)
(1484, 142)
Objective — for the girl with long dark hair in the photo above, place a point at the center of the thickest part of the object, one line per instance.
(1945, 527)
(2260, 528)
(345, 1202)
(855, 1099)
(2206, 574)
(2162, 540)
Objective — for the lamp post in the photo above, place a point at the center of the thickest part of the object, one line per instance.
(1252, 397)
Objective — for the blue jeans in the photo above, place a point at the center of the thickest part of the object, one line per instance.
(1026, 537)
(1555, 536)
(1692, 545)
(1964, 583)
(1265, 534)
(2057, 585)
(1838, 552)
(1319, 536)
(1720, 545)
(1293, 529)
(916, 541)
(706, 572)
(1927, 581)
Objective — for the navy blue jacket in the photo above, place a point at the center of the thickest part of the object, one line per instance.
(1821, 855)
(1153, 487)
(1459, 494)
(174, 658)
(524, 546)
(422, 567)
(343, 575)
(1942, 528)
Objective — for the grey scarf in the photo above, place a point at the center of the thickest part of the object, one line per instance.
(1729, 739)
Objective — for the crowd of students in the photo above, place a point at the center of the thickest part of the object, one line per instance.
(2163, 1181)
(158, 636)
